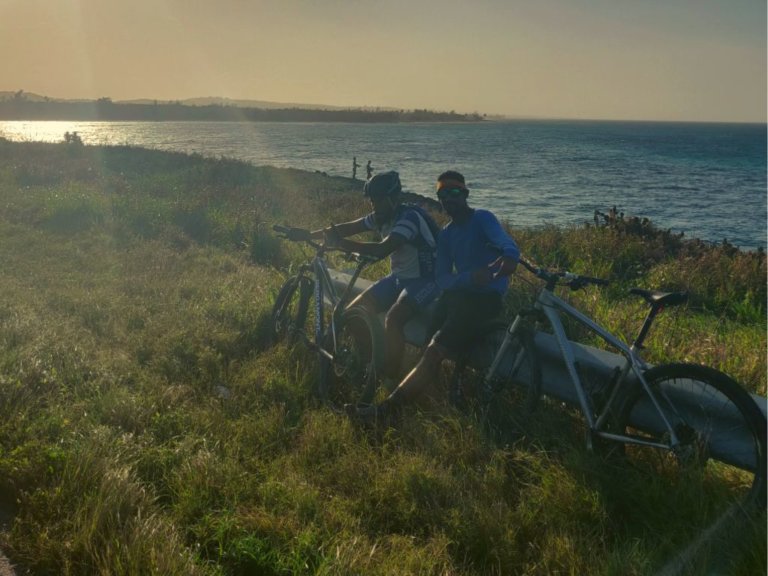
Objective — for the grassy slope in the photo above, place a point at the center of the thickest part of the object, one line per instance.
(149, 428)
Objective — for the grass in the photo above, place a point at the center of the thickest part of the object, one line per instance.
(149, 427)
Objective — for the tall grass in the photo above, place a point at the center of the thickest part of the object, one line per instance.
(149, 428)
(724, 323)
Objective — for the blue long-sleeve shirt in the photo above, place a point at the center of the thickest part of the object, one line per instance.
(473, 244)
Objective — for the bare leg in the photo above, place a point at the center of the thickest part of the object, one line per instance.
(418, 378)
(411, 386)
(394, 326)
(364, 299)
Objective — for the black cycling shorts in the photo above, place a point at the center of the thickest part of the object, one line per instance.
(460, 317)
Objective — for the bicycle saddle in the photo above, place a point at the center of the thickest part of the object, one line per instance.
(657, 298)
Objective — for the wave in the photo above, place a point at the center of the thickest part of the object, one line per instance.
(672, 187)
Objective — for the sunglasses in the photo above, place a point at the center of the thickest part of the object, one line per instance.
(446, 193)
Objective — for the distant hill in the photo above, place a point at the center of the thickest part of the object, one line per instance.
(218, 101)
(6, 95)
(264, 104)
(201, 101)
(22, 105)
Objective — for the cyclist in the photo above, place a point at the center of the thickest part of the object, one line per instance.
(409, 237)
(474, 258)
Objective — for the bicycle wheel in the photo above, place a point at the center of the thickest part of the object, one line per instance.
(722, 458)
(289, 313)
(514, 389)
(352, 376)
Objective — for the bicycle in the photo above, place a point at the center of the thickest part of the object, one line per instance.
(674, 418)
(348, 340)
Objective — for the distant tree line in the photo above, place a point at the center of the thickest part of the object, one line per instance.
(19, 108)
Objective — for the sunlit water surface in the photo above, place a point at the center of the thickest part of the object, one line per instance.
(707, 180)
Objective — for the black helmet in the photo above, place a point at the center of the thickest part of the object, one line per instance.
(383, 184)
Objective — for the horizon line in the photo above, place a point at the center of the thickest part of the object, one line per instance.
(490, 116)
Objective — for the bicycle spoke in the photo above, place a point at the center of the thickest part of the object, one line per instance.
(291, 310)
(353, 376)
(720, 455)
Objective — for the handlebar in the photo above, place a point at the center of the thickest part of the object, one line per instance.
(296, 235)
(552, 278)
(302, 235)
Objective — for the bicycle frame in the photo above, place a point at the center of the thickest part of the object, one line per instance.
(551, 306)
(325, 286)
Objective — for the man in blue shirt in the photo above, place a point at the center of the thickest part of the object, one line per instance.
(474, 258)
(409, 237)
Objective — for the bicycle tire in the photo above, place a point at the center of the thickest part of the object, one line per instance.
(289, 313)
(352, 377)
(707, 409)
(515, 389)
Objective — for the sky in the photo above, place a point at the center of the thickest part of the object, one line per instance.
(690, 60)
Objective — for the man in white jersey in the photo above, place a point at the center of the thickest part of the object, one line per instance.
(475, 257)
(409, 237)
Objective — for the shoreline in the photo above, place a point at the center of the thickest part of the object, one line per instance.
(626, 222)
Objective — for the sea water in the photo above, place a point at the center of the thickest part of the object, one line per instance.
(707, 181)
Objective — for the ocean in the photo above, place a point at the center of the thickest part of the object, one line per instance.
(705, 180)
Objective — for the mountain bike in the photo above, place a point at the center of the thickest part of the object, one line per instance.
(684, 422)
(348, 340)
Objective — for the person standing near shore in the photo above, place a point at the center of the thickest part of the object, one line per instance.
(355, 166)
(409, 237)
(475, 256)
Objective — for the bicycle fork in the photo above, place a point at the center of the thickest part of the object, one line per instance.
(340, 303)
(321, 276)
(487, 389)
